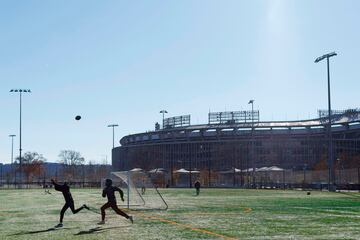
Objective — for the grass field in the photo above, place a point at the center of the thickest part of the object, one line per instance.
(215, 214)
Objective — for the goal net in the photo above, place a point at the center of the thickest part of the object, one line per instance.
(139, 191)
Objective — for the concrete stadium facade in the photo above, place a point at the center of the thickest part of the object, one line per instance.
(214, 148)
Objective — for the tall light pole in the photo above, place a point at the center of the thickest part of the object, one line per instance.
(252, 139)
(163, 115)
(20, 91)
(304, 173)
(331, 178)
(12, 152)
(339, 170)
(113, 126)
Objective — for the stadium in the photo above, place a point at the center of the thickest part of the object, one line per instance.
(236, 149)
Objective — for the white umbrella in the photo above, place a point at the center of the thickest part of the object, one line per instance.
(275, 168)
(231, 171)
(157, 170)
(248, 170)
(136, 170)
(269, 169)
(262, 169)
(182, 170)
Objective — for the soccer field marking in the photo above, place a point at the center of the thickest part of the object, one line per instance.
(186, 226)
(246, 210)
(333, 211)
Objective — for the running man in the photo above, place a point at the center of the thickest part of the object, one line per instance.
(109, 191)
(69, 202)
(143, 189)
(197, 187)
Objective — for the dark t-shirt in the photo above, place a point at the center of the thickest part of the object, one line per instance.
(110, 193)
(65, 191)
(197, 185)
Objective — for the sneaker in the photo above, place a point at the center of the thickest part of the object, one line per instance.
(59, 225)
(86, 207)
(131, 219)
(101, 223)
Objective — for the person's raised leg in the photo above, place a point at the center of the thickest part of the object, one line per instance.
(118, 211)
(75, 211)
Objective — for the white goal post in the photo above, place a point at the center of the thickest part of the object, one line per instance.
(139, 191)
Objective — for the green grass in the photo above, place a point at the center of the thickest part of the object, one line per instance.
(232, 213)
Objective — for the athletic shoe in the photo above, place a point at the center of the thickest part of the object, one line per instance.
(131, 219)
(59, 225)
(86, 207)
(101, 223)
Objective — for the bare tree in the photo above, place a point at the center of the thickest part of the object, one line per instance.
(71, 157)
(70, 160)
(33, 164)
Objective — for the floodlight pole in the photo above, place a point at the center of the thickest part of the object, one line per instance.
(163, 116)
(304, 168)
(252, 140)
(338, 180)
(190, 163)
(331, 178)
(12, 153)
(113, 138)
(128, 189)
(358, 172)
(209, 173)
(20, 91)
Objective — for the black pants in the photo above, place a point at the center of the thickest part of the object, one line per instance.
(70, 205)
(114, 207)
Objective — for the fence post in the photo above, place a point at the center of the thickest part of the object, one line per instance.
(284, 179)
(359, 179)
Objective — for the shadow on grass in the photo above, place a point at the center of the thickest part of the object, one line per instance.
(90, 231)
(39, 231)
(94, 230)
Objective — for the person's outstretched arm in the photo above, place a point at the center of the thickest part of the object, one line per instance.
(121, 193)
(104, 193)
(53, 181)
(57, 186)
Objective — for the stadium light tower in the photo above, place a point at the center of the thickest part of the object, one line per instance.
(252, 139)
(12, 151)
(20, 91)
(163, 115)
(113, 126)
(331, 178)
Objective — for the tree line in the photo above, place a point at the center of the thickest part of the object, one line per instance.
(71, 168)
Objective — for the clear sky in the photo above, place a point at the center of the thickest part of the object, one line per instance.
(123, 61)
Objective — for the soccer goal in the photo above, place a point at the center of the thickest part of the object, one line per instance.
(139, 191)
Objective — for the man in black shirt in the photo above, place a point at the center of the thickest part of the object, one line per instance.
(197, 187)
(109, 191)
(69, 202)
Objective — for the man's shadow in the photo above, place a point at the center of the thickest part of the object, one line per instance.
(95, 230)
(90, 231)
(34, 232)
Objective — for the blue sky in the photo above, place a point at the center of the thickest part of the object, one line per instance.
(123, 61)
